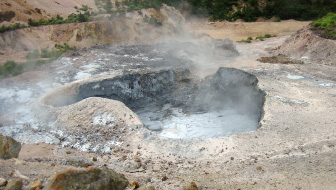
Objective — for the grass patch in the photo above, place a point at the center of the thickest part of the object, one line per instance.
(11, 27)
(326, 25)
(249, 39)
(59, 20)
(35, 59)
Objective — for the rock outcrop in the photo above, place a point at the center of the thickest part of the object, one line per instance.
(92, 178)
(308, 46)
(9, 148)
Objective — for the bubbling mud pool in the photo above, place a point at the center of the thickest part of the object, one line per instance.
(173, 104)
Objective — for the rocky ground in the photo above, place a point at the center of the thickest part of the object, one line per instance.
(294, 147)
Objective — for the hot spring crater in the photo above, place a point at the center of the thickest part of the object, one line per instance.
(175, 104)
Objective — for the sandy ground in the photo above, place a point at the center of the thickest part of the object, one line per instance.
(242, 30)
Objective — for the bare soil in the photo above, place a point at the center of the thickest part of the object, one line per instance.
(294, 148)
(238, 31)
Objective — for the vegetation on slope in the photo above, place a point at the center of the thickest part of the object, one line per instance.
(35, 59)
(11, 27)
(250, 10)
(59, 20)
(326, 26)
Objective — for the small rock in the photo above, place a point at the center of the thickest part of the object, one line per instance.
(15, 184)
(92, 178)
(137, 159)
(134, 185)
(11, 173)
(147, 188)
(164, 178)
(9, 148)
(36, 185)
(124, 157)
(191, 186)
(3, 182)
(94, 159)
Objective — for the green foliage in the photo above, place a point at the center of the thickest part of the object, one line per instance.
(327, 25)
(35, 59)
(10, 68)
(59, 20)
(277, 20)
(84, 8)
(117, 4)
(250, 10)
(15, 26)
(249, 39)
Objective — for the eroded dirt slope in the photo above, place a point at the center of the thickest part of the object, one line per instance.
(307, 45)
(128, 29)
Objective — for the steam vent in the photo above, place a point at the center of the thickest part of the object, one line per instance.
(173, 104)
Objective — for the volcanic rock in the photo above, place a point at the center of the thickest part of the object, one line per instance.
(36, 185)
(3, 182)
(9, 148)
(15, 184)
(191, 186)
(92, 178)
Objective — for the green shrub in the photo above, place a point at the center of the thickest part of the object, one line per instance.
(84, 8)
(33, 55)
(10, 68)
(277, 19)
(15, 26)
(59, 20)
(268, 35)
(327, 25)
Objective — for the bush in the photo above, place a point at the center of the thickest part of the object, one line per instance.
(59, 20)
(10, 68)
(84, 8)
(15, 26)
(327, 25)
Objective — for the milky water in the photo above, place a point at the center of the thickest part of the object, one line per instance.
(172, 122)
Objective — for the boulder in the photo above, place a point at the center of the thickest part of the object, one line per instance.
(92, 178)
(15, 184)
(9, 148)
